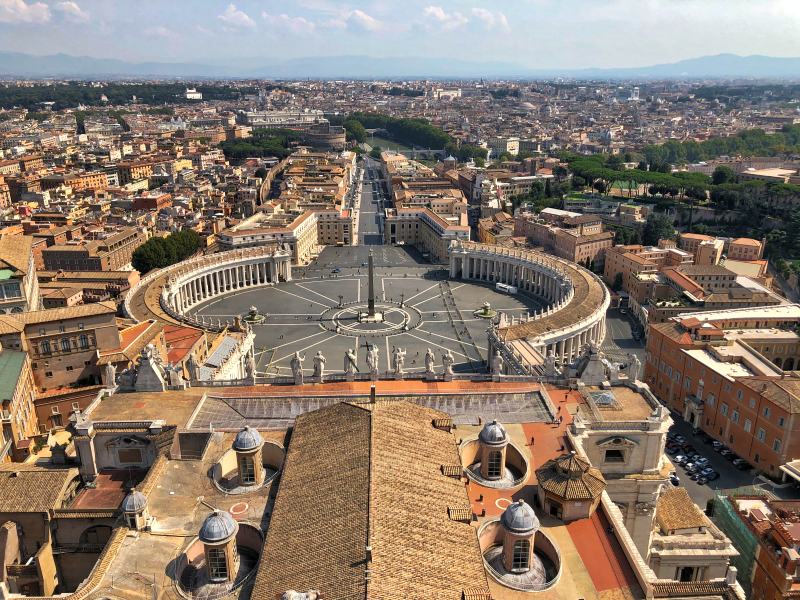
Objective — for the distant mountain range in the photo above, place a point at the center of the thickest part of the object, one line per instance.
(15, 64)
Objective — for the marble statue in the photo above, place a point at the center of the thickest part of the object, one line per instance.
(175, 377)
(497, 364)
(319, 366)
(250, 366)
(447, 362)
(192, 368)
(372, 359)
(297, 368)
(550, 368)
(399, 360)
(430, 362)
(634, 367)
(350, 362)
(109, 375)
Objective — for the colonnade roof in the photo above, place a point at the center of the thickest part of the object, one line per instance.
(587, 300)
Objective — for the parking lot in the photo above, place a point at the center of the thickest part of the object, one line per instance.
(730, 477)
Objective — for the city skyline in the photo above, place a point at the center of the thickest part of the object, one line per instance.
(532, 34)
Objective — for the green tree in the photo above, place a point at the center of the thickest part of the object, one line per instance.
(723, 174)
(658, 227)
(261, 172)
(355, 130)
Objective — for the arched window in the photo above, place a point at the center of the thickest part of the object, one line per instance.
(45, 346)
(494, 468)
(521, 558)
(84, 342)
(788, 365)
(65, 345)
(778, 361)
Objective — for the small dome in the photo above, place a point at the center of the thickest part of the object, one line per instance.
(493, 434)
(134, 502)
(519, 518)
(247, 439)
(218, 526)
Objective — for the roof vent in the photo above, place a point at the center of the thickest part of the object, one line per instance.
(462, 514)
(454, 471)
(445, 424)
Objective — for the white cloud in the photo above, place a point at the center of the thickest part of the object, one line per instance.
(296, 25)
(354, 20)
(18, 11)
(444, 20)
(159, 31)
(234, 18)
(491, 19)
(72, 12)
(358, 20)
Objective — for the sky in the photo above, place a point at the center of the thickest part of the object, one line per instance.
(531, 33)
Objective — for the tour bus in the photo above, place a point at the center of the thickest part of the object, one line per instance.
(505, 288)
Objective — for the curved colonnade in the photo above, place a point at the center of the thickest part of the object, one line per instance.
(576, 303)
(168, 293)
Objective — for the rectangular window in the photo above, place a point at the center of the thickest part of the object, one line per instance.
(724, 410)
(781, 421)
(748, 425)
(761, 435)
(766, 411)
(217, 565)
(735, 416)
(615, 456)
(776, 445)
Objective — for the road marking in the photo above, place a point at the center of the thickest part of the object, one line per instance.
(317, 293)
(422, 292)
(437, 345)
(301, 339)
(466, 345)
(439, 297)
(302, 298)
(301, 350)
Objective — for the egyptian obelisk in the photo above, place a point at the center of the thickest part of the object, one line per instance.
(371, 301)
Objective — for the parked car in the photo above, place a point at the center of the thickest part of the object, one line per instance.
(679, 459)
(727, 454)
(702, 480)
(702, 461)
(712, 476)
(336, 270)
(674, 480)
(690, 467)
(672, 449)
(717, 445)
(695, 476)
(741, 464)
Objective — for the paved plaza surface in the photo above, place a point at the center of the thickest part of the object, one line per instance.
(302, 315)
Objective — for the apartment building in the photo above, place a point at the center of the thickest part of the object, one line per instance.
(735, 249)
(19, 286)
(630, 263)
(432, 234)
(728, 373)
(112, 253)
(63, 343)
(301, 232)
(17, 413)
(573, 236)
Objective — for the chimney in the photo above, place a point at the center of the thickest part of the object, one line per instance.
(372, 394)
